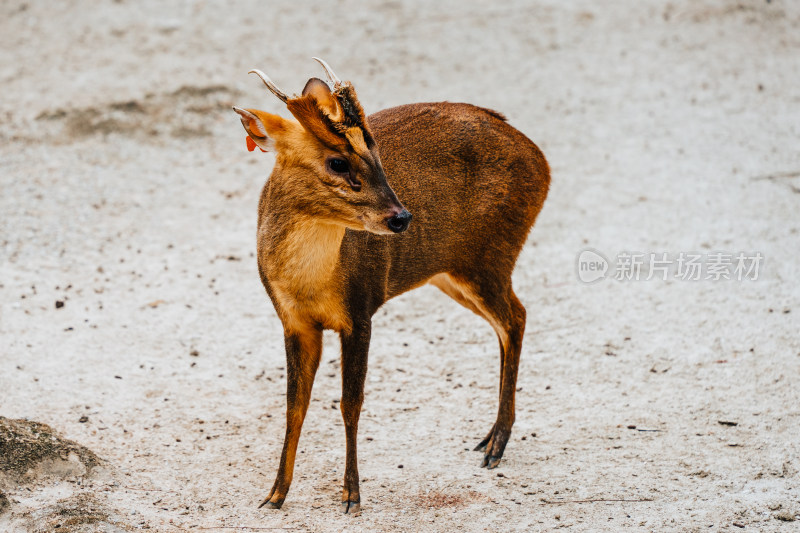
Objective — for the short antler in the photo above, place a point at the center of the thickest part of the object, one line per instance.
(334, 80)
(270, 85)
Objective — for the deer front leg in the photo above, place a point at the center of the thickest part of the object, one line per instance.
(355, 347)
(303, 350)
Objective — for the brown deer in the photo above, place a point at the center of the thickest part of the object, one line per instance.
(335, 242)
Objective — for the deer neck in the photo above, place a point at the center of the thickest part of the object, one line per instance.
(302, 253)
(299, 256)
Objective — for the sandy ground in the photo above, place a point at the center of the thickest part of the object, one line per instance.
(128, 195)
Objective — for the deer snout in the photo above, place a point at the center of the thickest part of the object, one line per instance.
(399, 222)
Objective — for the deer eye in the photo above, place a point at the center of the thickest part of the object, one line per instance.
(338, 165)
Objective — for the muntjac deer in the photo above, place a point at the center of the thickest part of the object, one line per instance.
(335, 242)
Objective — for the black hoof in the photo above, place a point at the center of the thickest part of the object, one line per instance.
(271, 505)
(493, 446)
(490, 461)
(353, 508)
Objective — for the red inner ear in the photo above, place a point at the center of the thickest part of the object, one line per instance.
(251, 145)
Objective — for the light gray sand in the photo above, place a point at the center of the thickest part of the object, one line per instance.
(128, 194)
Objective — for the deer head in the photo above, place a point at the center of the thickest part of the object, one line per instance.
(327, 161)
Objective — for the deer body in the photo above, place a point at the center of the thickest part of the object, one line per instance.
(474, 185)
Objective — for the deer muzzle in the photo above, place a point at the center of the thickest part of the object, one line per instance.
(399, 222)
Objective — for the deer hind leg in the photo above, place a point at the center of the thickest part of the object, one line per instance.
(498, 304)
(509, 316)
(303, 351)
(485, 441)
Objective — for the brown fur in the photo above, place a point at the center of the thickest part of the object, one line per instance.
(474, 185)
(310, 114)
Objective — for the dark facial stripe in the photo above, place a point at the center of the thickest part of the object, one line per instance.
(353, 112)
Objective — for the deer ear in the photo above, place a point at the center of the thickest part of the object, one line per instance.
(325, 99)
(264, 129)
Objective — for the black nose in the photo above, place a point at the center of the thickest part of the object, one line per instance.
(399, 222)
